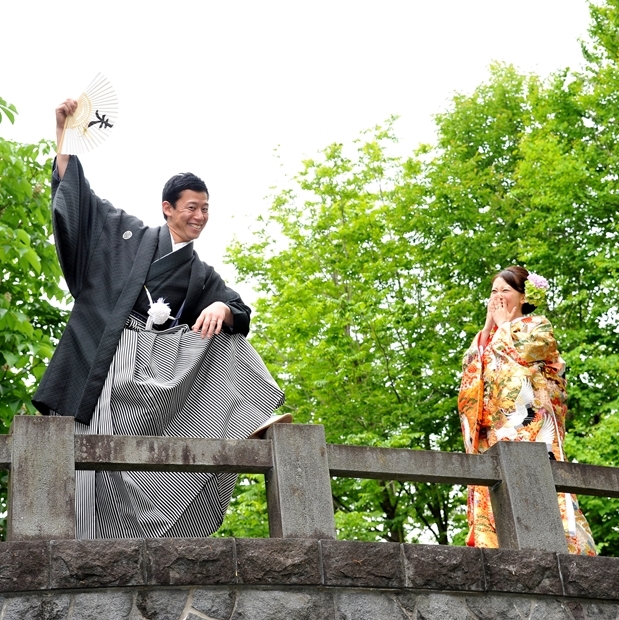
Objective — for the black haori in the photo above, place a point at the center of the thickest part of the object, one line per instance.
(171, 384)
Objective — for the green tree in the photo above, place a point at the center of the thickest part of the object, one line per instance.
(30, 317)
(343, 326)
(368, 309)
(373, 272)
(524, 173)
(586, 135)
(247, 514)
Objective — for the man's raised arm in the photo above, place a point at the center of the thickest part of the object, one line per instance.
(65, 109)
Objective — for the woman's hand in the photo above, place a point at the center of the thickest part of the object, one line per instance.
(484, 336)
(500, 313)
(489, 319)
(212, 319)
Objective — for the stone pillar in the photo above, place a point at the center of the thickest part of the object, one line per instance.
(42, 479)
(299, 485)
(525, 506)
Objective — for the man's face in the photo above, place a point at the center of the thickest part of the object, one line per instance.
(187, 220)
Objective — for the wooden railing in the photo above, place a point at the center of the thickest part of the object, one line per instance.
(42, 454)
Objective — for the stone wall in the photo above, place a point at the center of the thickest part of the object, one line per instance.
(294, 579)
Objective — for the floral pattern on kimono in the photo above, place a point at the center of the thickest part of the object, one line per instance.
(514, 390)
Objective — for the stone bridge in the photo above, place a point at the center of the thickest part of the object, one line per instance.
(301, 571)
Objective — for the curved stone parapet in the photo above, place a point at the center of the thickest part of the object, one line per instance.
(269, 579)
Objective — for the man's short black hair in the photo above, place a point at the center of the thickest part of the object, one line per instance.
(178, 184)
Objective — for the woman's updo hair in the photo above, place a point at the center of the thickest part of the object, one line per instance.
(516, 276)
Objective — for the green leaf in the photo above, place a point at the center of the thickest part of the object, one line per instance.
(8, 109)
(23, 236)
(33, 259)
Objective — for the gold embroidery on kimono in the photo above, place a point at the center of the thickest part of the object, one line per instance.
(514, 390)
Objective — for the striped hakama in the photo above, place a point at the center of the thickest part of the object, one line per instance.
(171, 384)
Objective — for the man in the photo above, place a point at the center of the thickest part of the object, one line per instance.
(127, 364)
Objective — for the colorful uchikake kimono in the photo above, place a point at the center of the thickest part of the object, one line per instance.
(514, 390)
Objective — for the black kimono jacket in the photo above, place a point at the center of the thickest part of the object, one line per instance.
(105, 255)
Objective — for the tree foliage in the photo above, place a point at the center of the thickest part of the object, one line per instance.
(372, 272)
(30, 317)
(343, 324)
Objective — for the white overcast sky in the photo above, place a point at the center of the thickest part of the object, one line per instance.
(215, 87)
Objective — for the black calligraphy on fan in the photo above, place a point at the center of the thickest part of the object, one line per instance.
(103, 122)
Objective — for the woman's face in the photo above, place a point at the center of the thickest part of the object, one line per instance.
(510, 296)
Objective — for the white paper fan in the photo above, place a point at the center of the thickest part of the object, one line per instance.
(93, 120)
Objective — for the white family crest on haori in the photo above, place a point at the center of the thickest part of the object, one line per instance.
(92, 121)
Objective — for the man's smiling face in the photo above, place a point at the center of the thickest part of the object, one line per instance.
(188, 218)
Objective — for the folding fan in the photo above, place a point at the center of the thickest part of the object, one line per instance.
(92, 121)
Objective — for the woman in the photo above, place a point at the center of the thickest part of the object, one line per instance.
(513, 390)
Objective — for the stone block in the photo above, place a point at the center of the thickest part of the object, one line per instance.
(601, 611)
(268, 604)
(437, 606)
(577, 610)
(490, 607)
(592, 577)
(292, 561)
(548, 609)
(165, 604)
(110, 605)
(369, 605)
(439, 567)
(407, 600)
(362, 564)
(96, 563)
(24, 565)
(38, 607)
(524, 571)
(214, 602)
(190, 561)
